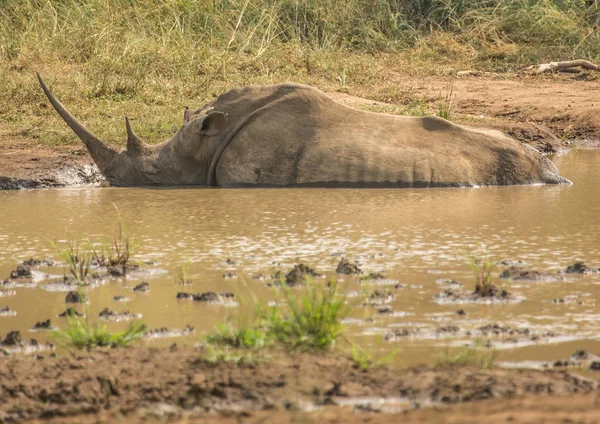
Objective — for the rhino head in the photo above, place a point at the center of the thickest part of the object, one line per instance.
(184, 159)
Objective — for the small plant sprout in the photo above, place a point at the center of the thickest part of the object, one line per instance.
(445, 103)
(477, 355)
(365, 360)
(482, 269)
(182, 274)
(77, 259)
(120, 249)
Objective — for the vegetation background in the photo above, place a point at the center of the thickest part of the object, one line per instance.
(148, 59)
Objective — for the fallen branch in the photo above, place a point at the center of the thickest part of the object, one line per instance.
(558, 66)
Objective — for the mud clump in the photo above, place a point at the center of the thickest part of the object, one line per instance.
(74, 297)
(372, 276)
(449, 283)
(36, 263)
(518, 273)
(43, 325)
(6, 311)
(70, 312)
(108, 315)
(378, 297)
(120, 298)
(224, 298)
(164, 332)
(488, 294)
(401, 334)
(22, 271)
(13, 338)
(142, 287)
(345, 267)
(297, 276)
(497, 330)
(581, 268)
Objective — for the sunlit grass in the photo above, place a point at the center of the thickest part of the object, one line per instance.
(106, 59)
(80, 333)
(470, 356)
(308, 318)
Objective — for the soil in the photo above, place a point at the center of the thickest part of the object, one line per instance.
(176, 382)
(552, 113)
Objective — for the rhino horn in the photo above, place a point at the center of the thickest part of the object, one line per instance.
(101, 153)
(134, 144)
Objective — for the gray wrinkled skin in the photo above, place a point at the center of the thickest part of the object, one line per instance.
(294, 135)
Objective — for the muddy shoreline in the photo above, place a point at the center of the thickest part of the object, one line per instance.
(177, 383)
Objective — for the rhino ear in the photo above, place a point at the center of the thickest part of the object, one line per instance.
(214, 123)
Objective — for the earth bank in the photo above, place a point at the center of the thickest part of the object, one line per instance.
(159, 383)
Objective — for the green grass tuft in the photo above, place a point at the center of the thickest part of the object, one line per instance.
(81, 334)
(309, 318)
(472, 356)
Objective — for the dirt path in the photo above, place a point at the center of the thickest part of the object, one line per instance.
(550, 112)
(176, 382)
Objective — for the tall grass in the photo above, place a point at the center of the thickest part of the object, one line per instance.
(150, 58)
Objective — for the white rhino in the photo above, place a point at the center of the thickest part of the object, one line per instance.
(295, 135)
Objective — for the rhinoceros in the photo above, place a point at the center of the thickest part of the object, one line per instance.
(295, 135)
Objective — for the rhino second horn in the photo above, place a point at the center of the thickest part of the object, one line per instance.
(101, 153)
(134, 144)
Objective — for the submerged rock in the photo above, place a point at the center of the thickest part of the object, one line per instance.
(347, 268)
(74, 297)
(497, 330)
(400, 334)
(492, 295)
(15, 343)
(373, 276)
(518, 273)
(22, 271)
(13, 338)
(35, 263)
(164, 332)
(120, 298)
(108, 315)
(43, 325)
(142, 287)
(209, 297)
(6, 312)
(378, 297)
(70, 312)
(448, 282)
(297, 276)
(581, 268)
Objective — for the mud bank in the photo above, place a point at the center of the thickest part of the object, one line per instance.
(177, 383)
(27, 167)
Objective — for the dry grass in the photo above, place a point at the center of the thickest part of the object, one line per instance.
(148, 59)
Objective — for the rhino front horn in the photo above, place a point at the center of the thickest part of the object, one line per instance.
(101, 153)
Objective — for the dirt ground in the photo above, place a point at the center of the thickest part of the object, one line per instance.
(552, 113)
(155, 384)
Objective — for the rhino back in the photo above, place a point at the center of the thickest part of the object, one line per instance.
(296, 135)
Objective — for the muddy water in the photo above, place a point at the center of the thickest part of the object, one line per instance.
(416, 236)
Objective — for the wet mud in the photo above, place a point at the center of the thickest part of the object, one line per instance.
(177, 383)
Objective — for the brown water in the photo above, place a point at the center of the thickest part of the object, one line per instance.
(415, 235)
